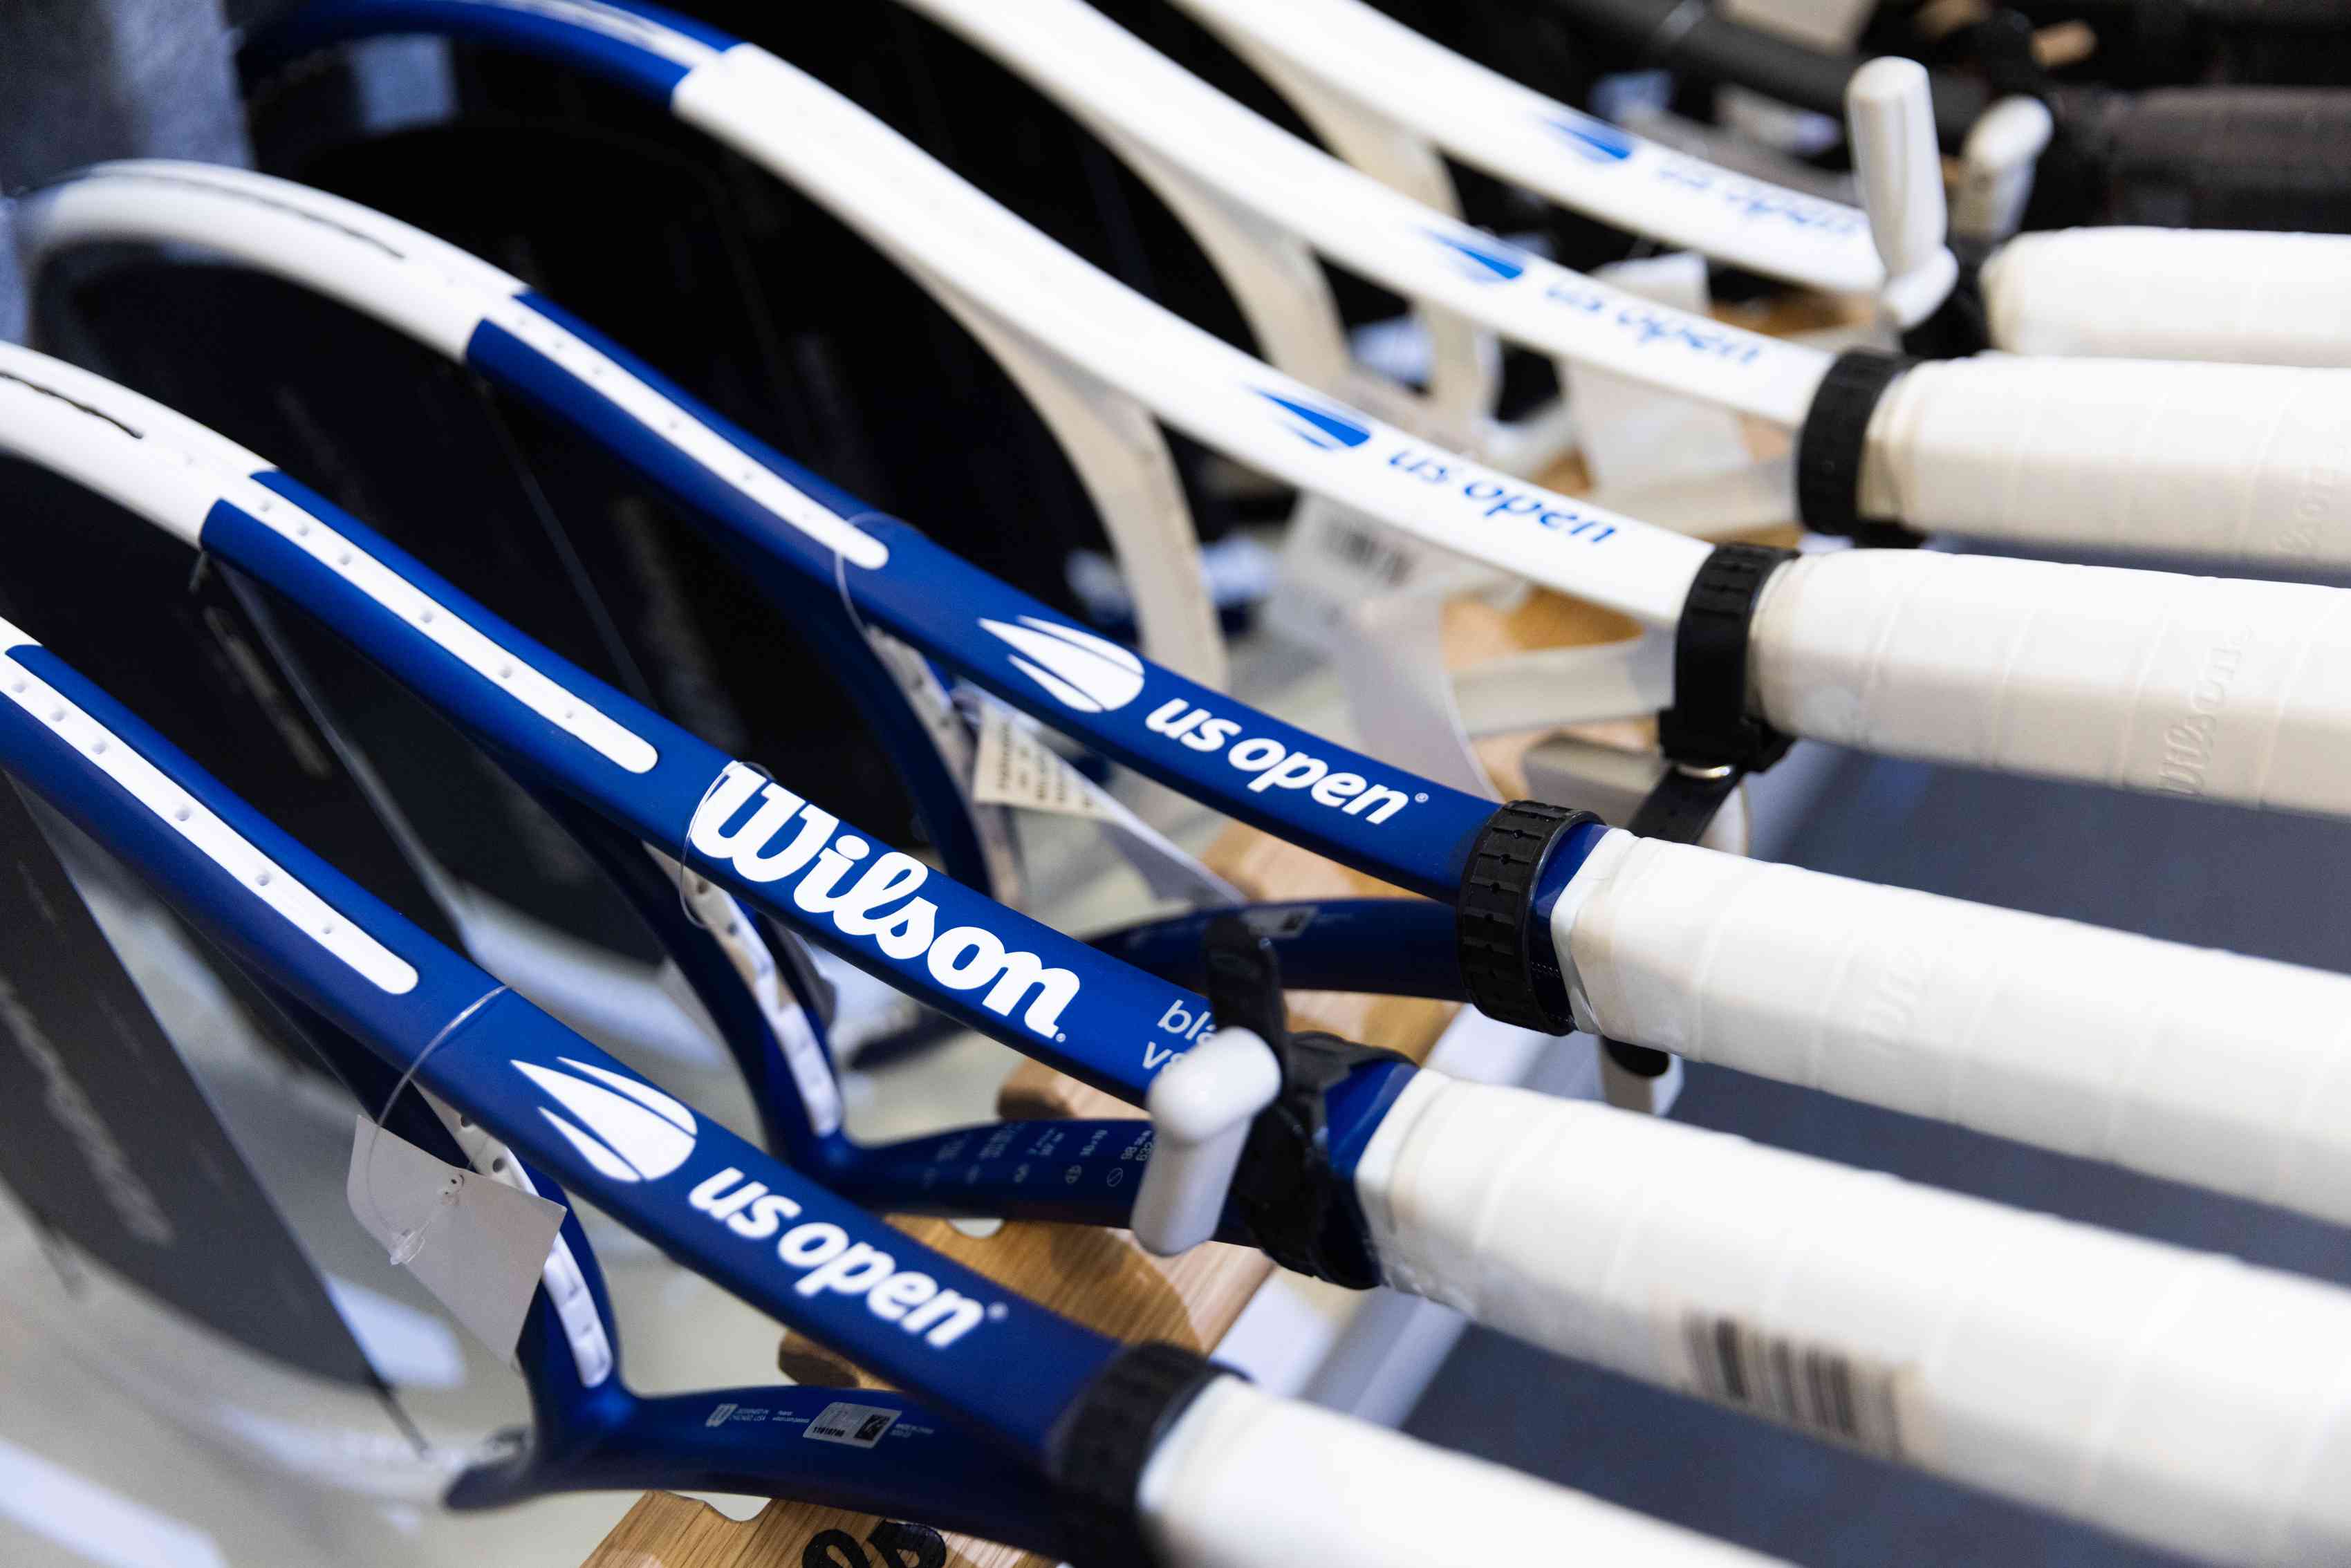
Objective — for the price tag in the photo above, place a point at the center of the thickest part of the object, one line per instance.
(476, 1243)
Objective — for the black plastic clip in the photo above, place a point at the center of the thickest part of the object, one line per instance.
(1708, 724)
(1831, 444)
(1297, 1209)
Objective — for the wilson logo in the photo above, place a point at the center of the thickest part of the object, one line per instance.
(1078, 671)
(629, 1131)
(1333, 430)
(1271, 765)
(831, 1264)
(1596, 140)
(784, 837)
(1486, 262)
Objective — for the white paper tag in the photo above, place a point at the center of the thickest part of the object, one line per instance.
(1016, 767)
(857, 1425)
(476, 1243)
(937, 710)
(1392, 662)
(1632, 435)
(1333, 559)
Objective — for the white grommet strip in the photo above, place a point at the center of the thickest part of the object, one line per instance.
(726, 461)
(260, 875)
(420, 612)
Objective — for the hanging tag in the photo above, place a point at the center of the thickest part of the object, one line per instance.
(1392, 662)
(1634, 437)
(1334, 558)
(936, 708)
(476, 1243)
(1017, 768)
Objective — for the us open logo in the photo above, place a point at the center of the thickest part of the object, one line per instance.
(1480, 260)
(628, 1131)
(1332, 429)
(1078, 671)
(1596, 140)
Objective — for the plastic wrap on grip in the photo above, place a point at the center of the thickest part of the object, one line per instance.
(1247, 1481)
(2182, 1398)
(2208, 1067)
(2239, 463)
(2173, 294)
(2219, 688)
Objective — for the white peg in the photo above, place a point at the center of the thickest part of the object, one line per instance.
(1201, 1106)
(1890, 121)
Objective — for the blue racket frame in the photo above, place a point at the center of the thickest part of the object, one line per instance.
(1380, 819)
(992, 1373)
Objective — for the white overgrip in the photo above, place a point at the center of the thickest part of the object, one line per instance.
(2203, 1066)
(2182, 1398)
(2219, 688)
(2242, 462)
(1244, 1479)
(2173, 294)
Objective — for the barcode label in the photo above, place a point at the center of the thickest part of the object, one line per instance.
(1822, 1392)
(858, 1426)
(1379, 558)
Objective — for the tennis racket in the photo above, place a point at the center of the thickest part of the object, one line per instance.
(1844, 979)
(1468, 1194)
(1394, 1141)
(1857, 648)
(1021, 1425)
(1357, 62)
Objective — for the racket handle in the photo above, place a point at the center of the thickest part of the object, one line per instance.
(2218, 687)
(2173, 294)
(2203, 1066)
(2242, 462)
(2182, 1398)
(1244, 1480)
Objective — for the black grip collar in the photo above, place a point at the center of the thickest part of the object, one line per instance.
(1508, 966)
(1708, 726)
(1829, 448)
(1097, 1451)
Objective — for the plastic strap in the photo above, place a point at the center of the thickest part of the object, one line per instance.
(1708, 724)
(1831, 447)
(1679, 809)
(1298, 1211)
(1097, 1451)
(1962, 324)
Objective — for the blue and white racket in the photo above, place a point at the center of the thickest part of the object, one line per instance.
(1669, 1253)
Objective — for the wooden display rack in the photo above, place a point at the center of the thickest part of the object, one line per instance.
(1099, 1277)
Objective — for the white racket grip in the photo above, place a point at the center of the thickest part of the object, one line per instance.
(2173, 294)
(2243, 462)
(2180, 1397)
(2207, 1067)
(2220, 689)
(1244, 1480)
